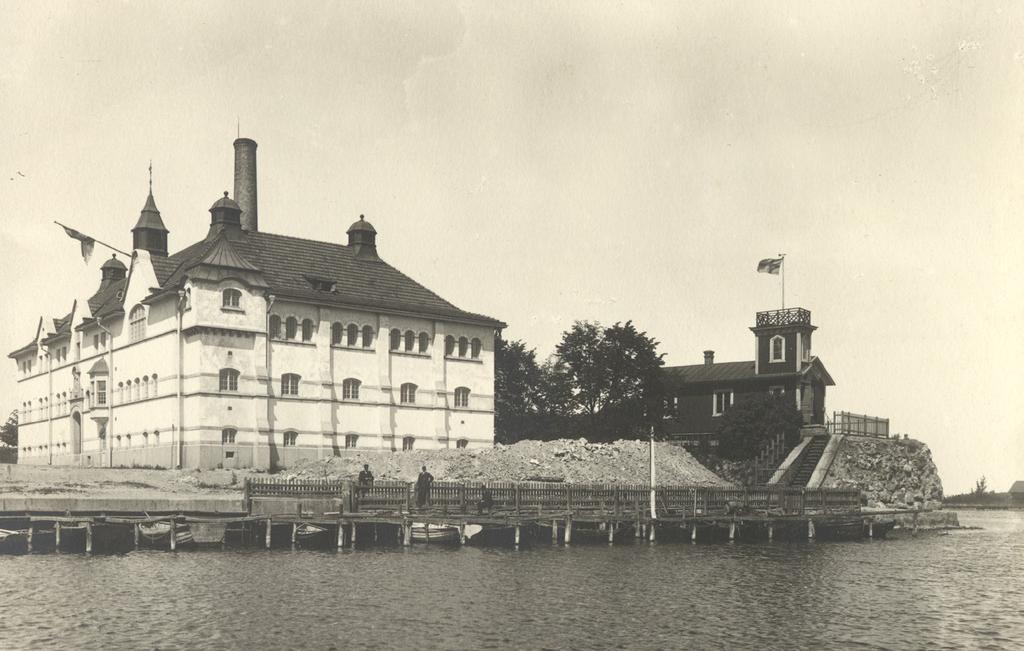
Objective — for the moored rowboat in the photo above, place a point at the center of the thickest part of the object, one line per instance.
(159, 534)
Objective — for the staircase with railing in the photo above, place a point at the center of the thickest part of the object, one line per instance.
(800, 472)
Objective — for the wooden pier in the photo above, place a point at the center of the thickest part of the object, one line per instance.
(342, 514)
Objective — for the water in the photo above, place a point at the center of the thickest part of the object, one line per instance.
(962, 590)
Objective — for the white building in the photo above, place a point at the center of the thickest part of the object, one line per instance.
(252, 349)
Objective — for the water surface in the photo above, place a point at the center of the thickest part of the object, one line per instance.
(962, 590)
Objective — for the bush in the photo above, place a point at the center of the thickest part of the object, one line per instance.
(754, 421)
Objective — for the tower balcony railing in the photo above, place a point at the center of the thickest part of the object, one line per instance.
(785, 317)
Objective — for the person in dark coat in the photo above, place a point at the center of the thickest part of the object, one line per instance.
(423, 483)
(365, 476)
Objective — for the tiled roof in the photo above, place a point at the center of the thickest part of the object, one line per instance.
(106, 300)
(720, 372)
(1018, 486)
(61, 326)
(285, 263)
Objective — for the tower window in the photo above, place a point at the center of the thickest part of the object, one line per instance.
(290, 384)
(307, 329)
(228, 379)
(275, 326)
(336, 332)
(463, 346)
(778, 348)
(231, 298)
(474, 348)
(350, 389)
(291, 327)
(408, 393)
(449, 346)
(410, 341)
(462, 397)
(396, 339)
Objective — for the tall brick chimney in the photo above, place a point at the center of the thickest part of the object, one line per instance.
(245, 182)
(709, 357)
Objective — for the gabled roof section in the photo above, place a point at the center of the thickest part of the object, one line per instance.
(1018, 487)
(223, 254)
(108, 300)
(287, 263)
(61, 328)
(720, 372)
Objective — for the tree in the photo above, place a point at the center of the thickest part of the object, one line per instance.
(750, 423)
(9, 430)
(980, 487)
(517, 380)
(615, 378)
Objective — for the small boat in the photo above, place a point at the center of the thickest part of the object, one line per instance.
(441, 533)
(306, 532)
(12, 542)
(158, 534)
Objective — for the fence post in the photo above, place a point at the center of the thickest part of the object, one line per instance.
(517, 498)
(462, 498)
(246, 499)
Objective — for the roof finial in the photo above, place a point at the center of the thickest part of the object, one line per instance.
(151, 176)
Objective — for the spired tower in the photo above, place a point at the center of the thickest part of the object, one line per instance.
(149, 233)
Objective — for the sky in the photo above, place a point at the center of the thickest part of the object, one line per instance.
(543, 163)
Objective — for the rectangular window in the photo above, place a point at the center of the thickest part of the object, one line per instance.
(289, 384)
(777, 390)
(291, 438)
(351, 440)
(407, 443)
(461, 444)
(722, 401)
(101, 392)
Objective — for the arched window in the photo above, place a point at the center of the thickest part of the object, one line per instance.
(461, 444)
(128, 440)
(408, 395)
(145, 439)
(408, 442)
(227, 435)
(137, 393)
(137, 323)
(152, 381)
(449, 345)
(145, 386)
(474, 348)
(410, 341)
(778, 345)
(291, 327)
(290, 384)
(424, 342)
(228, 379)
(290, 438)
(275, 326)
(367, 336)
(463, 346)
(231, 298)
(462, 397)
(350, 389)
(120, 392)
(156, 437)
(335, 334)
(307, 329)
(352, 334)
(396, 339)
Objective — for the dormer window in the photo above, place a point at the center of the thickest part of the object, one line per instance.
(778, 348)
(323, 284)
(231, 299)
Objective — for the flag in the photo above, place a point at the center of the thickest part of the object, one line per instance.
(769, 266)
(87, 242)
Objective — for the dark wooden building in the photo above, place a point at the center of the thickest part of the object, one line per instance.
(1017, 493)
(700, 393)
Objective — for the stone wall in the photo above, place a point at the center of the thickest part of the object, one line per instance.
(890, 471)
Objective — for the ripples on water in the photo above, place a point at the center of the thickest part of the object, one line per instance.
(963, 590)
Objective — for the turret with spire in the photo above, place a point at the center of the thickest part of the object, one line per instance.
(149, 233)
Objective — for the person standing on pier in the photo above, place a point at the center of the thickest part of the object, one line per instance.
(365, 476)
(423, 487)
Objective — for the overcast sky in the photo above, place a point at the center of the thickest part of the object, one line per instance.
(595, 161)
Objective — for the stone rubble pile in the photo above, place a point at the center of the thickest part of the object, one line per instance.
(568, 460)
(890, 472)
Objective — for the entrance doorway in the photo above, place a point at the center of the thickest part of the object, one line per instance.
(76, 432)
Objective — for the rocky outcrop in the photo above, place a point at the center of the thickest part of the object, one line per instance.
(890, 472)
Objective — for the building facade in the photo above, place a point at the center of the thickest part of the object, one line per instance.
(251, 349)
(699, 394)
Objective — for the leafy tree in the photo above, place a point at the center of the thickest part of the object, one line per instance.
(751, 422)
(517, 382)
(9, 430)
(615, 378)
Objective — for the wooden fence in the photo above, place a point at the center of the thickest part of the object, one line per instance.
(844, 422)
(538, 499)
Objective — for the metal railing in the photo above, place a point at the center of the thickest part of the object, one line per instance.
(788, 316)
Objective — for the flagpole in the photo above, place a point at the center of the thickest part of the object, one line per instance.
(124, 253)
(783, 265)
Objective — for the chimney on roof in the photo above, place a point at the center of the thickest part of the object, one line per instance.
(709, 357)
(245, 182)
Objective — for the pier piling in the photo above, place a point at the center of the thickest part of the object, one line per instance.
(56, 535)
(732, 532)
(174, 536)
(136, 529)
(693, 533)
(810, 529)
(88, 537)
(568, 530)
(611, 532)
(650, 534)
(517, 535)
(339, 541)
(269, 532)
